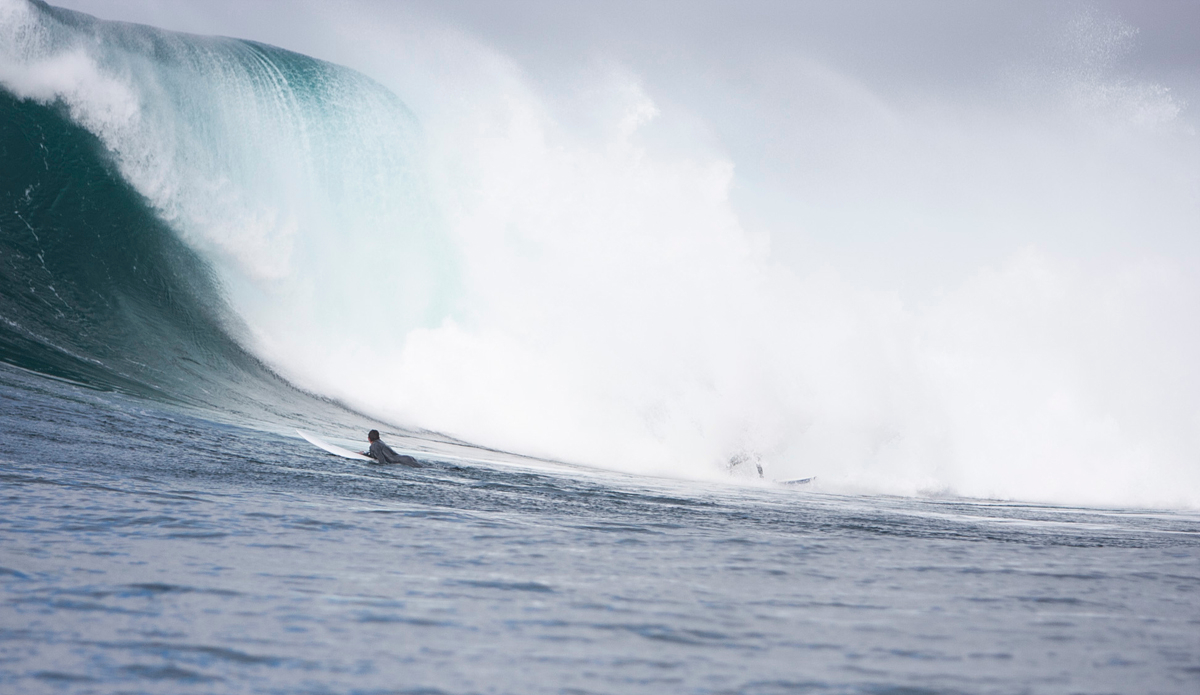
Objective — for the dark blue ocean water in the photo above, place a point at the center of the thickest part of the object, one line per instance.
(145, 548)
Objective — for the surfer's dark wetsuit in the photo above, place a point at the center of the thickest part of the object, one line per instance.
(382, 453)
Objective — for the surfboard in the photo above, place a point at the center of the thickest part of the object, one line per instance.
(801, 481)
(333, 449)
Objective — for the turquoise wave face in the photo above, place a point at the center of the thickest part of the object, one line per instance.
(95, 287)
(174, 202)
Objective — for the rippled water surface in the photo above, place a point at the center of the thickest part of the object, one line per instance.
(147, 550)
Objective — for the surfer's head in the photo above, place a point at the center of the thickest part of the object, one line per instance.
(372, 435)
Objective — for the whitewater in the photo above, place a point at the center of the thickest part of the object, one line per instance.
(613, 279)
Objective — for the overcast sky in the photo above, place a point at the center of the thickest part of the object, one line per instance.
(936, 40)
(803, 98)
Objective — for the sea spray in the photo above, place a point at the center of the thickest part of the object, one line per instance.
(990, 295)
(966, 292)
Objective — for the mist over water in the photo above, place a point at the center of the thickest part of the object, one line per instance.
(964, 265)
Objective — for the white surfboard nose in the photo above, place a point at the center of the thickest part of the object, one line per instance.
(331, 448)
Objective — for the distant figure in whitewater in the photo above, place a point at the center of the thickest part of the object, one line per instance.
(382, 453)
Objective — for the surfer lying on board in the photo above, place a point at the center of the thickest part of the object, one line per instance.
(382, 453)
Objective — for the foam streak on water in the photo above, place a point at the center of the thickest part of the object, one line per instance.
(148, 550)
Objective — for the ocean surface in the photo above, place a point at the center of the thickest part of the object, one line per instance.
(164, 529)
(150, 549)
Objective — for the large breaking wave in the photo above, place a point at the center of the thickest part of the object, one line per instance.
(146, 172)
(181, 210)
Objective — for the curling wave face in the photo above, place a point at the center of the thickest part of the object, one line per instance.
(149, 174)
